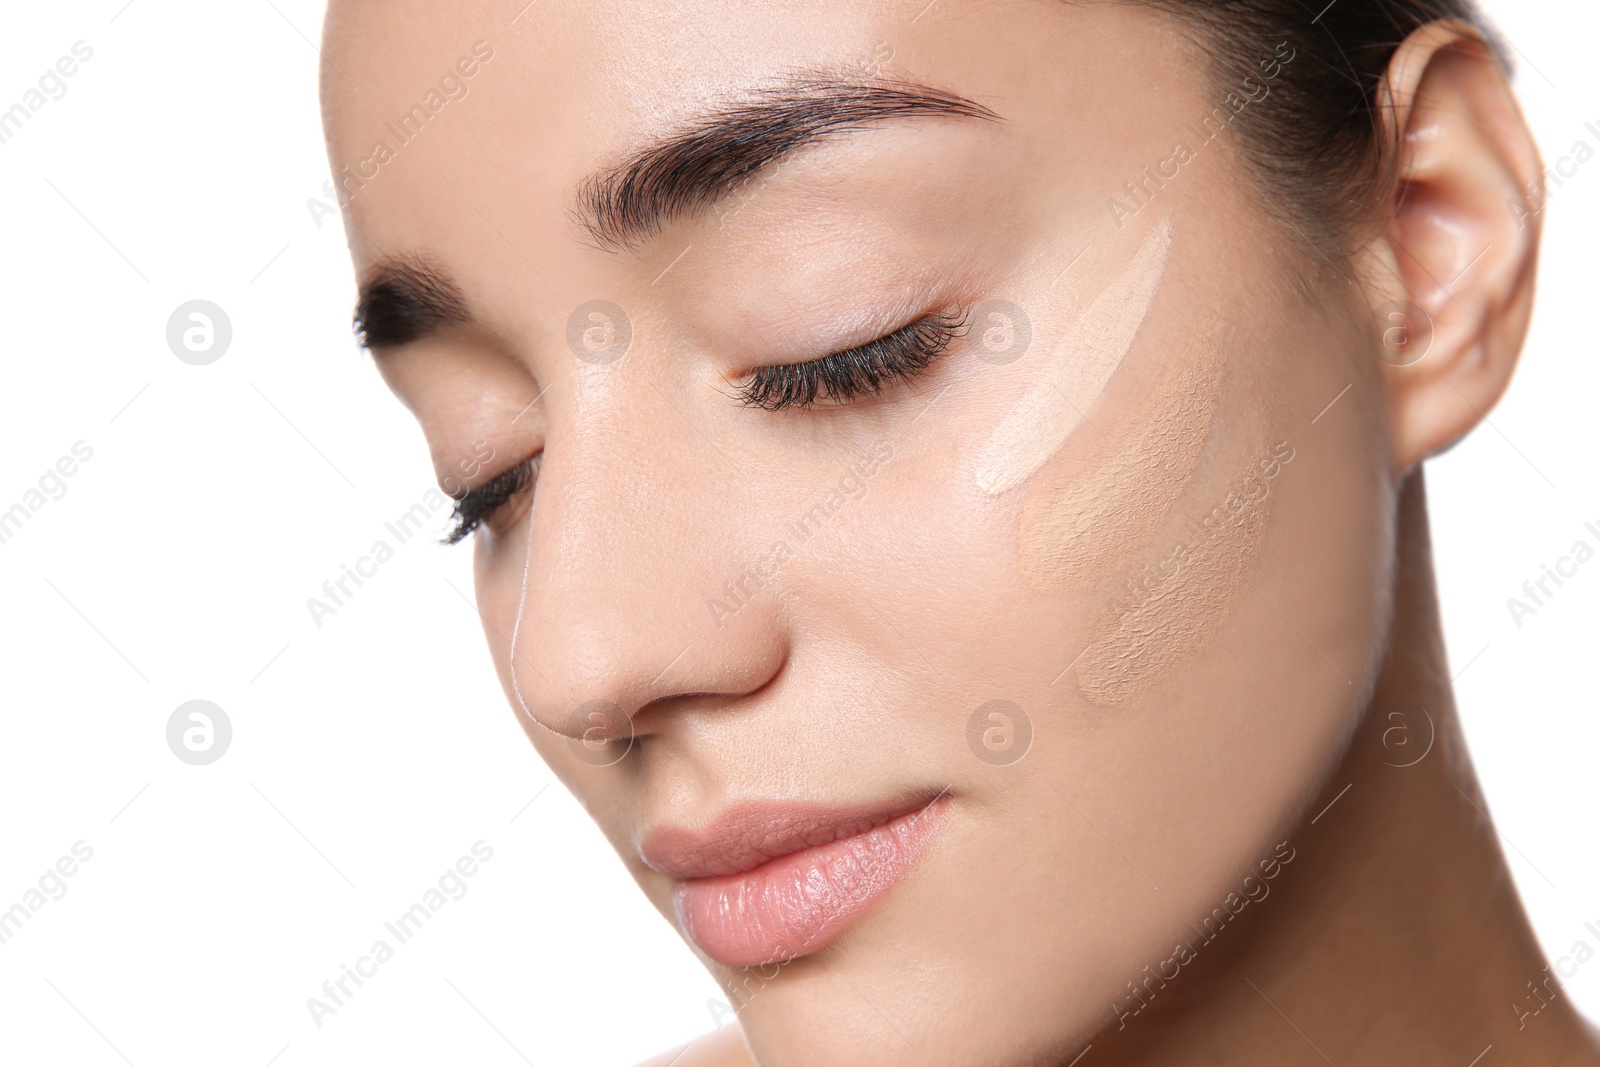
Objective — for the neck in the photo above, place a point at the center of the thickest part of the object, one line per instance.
(1396, 935)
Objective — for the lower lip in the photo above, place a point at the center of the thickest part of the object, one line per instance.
(801, 903)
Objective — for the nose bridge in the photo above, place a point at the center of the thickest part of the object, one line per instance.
(631, 536)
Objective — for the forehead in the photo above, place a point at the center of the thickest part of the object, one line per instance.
(479, 101)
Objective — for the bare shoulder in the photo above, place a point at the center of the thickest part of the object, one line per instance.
(720, 1048)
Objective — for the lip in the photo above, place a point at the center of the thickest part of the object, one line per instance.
(766, 882)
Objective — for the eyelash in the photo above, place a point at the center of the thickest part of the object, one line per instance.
(855, 372)
(842, 376)
(477, 506)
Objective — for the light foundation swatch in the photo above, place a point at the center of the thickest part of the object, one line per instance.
(1076, 370)
(1085, 515)
(1170, 608)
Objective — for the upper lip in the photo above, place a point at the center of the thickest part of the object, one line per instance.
(747, 835)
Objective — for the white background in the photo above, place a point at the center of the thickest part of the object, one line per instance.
(369, 754)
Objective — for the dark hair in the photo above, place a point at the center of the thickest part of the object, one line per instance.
(1317, 147)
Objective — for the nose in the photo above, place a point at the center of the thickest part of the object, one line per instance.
(624, 602)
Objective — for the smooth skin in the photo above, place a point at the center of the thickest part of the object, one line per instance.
(1394, 935)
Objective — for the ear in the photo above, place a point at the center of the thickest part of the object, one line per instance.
(1452, 274)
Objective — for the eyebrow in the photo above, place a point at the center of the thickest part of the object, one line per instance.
(717, 153)
(407, 298)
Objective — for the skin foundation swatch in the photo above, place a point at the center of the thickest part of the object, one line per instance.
(1170, 608)
(1075, 374)
(1074, 527)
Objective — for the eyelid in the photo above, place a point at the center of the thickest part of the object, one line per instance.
(480, 504)
(867, 368)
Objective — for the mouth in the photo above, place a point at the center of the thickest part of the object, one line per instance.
(764, 883)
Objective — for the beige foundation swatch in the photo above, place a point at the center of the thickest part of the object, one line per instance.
(1172, 607)
(1076, 370)
(1077, 523)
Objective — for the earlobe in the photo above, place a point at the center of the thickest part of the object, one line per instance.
(1451, 277)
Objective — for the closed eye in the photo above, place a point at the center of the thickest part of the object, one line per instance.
(478, 506)
(862, 371)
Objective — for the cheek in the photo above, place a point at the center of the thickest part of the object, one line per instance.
(1230, 650)
(1199, 521)
(1186, 605)
(1098, 503)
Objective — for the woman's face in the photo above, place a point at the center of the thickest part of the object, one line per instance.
(1045, 643)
